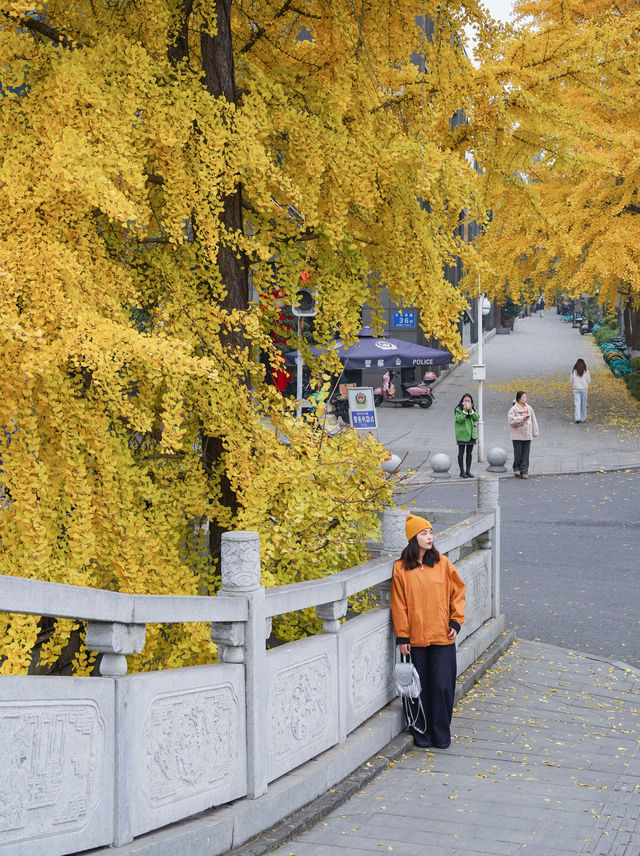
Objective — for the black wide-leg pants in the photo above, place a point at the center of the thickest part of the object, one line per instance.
(436, 665)
(521, 449)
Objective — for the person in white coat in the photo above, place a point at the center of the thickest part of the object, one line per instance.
(580, 380)
(524, 427)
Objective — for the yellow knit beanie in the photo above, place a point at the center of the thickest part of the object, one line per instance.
(414, 525)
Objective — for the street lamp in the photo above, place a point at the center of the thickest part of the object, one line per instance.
(479, 371)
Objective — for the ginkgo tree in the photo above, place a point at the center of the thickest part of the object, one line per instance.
(168, 171)
(554, 125)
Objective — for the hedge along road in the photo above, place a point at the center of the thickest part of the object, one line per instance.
(570, 558)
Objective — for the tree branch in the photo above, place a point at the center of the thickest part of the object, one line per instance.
(260, 31)
(41, 28)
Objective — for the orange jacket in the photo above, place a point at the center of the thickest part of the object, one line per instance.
(424, 601)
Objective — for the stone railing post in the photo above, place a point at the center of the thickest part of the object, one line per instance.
(114, 640)
(330, 615)
(488, 500)
(394, 539)
(240, 567)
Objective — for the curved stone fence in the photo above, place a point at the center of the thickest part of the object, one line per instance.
(99, 761)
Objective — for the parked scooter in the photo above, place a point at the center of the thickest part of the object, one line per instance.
(413, 392)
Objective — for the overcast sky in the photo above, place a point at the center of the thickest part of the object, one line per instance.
(499, 8)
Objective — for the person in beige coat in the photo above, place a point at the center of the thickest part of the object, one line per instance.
(524, 427)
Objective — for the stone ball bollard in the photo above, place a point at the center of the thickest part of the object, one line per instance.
(440, 464)
(391, 464)
(497, 458)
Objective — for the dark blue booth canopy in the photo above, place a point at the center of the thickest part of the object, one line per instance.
(382, 352)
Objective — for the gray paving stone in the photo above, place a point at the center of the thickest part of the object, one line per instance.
(530, 771)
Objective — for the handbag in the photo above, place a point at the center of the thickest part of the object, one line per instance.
(406, 678)
(407, 683)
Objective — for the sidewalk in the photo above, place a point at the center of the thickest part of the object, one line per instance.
(544, 760)
(536, 357)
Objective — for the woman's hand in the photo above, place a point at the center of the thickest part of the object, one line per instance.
(453, 633)
(404, 649)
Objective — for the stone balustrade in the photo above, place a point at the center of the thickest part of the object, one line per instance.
(96, 762)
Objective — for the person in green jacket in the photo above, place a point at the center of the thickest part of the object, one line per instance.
(466, 432)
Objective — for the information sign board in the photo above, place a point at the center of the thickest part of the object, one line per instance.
(404, 320)
(362, 410)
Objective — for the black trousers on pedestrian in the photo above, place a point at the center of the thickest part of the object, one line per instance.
(461, 455)
(521, 449)
(436, 665)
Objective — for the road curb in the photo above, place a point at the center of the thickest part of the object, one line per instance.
(617, 468)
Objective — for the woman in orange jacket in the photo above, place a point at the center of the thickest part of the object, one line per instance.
(427, 609)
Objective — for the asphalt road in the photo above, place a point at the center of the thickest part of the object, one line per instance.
(570, 558)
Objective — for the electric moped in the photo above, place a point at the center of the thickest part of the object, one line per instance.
(413, 392)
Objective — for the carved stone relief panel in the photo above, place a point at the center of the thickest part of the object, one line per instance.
(369, 652)
(187, 750)
(299, 701)
(302, 712)
(371, 667)
(52, 766)
(190, 744)
(475, 573)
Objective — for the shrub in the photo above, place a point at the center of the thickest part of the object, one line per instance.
(604, 334)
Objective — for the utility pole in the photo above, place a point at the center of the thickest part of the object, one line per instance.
(299, 367)
(479, 369)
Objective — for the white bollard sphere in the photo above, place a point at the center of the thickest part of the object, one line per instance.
(440, 464)
(391, 464)
(497, 458)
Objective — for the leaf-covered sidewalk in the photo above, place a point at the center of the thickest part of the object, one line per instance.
(537, 358)
(544, 759)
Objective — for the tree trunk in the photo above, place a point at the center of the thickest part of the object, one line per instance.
(179, 46)
(497, 314)
(219, 75)
(632, 327)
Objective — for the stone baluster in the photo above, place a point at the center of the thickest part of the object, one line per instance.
(383, 591)
(229, 637)
(240, 568)
(114, 641)
(331, 613)
(489, 501)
